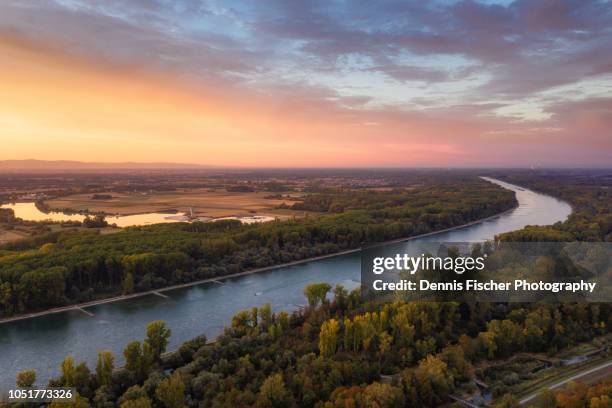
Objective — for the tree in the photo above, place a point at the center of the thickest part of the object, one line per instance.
(486, 344)
(507, 401)
(328, 338)
(128, 284)
(507, 335)
(265, 314)
(135, 397)
(383, 396)
(171, 391)
(82, 378)
(98, 221)
(340, 297)
(547, 399)
(157, 338)
(373, 395)
(133, 356)
(104, 368)
(68, 372)
(434, 379)
(316, 293)
(454, 357)
(79, 402)
(26, 378)
(384, 344)
(425, 347)
(104, 398)
(143, 402)
(273, 393)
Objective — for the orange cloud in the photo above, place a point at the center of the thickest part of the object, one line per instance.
(57, 106)
(54, 105)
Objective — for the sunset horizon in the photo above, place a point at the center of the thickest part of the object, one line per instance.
(61, 164)
(450, 84)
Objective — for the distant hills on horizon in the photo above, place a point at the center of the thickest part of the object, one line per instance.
(36, 165)
(72, 165)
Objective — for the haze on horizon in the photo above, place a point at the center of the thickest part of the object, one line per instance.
(308, 84)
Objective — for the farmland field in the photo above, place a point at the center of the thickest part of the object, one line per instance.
(6, 236)
(204, 202)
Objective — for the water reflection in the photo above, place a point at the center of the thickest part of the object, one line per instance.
(29, 212)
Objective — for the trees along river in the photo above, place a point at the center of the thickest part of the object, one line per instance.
(43, 342)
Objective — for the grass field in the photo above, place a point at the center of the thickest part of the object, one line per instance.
(7, 236)
(204, 202)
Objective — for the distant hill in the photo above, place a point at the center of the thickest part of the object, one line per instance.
(69, 165)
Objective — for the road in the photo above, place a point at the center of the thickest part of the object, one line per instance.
(600, 367)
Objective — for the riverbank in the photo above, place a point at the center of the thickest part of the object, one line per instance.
(80, 307)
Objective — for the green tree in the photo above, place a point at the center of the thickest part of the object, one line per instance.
(135, 397)
(340, 296)
(157, 338)
(82, 378)
(435, 380)
(171, 391)
(26, 378)
(507, 401)
(265, 314)
(128, 284)
(104, 368)
(384, 344)
(79, 402)
(316, 293)
(546, 399)
(133, 356)
(273, 393)
(68, 372)
(143, 402)
(508, 336)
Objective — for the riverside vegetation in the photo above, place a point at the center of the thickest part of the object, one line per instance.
(343, 351)
(68, 267)
(336, 353)
(591, 196)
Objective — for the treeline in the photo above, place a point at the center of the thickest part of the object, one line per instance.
(340, 200)
(338, 352)
(589, 193)
(9, 222)
(578, 394)
(77, 266)
(7, 216)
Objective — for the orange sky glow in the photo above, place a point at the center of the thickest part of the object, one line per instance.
(59, 107)
(59, 102)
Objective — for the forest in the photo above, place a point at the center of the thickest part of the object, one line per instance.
(590, 195)
(340, 351)
(345, 351)
(67, 267)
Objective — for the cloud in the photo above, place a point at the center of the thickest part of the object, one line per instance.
(509, 79)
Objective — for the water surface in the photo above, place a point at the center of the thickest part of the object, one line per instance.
(29, 212)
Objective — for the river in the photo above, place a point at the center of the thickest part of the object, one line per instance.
(42, 343)
(29, 212)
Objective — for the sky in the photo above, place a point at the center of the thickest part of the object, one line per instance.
(308, 83)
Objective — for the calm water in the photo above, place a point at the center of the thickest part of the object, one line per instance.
(42, 343)
(29, 212)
